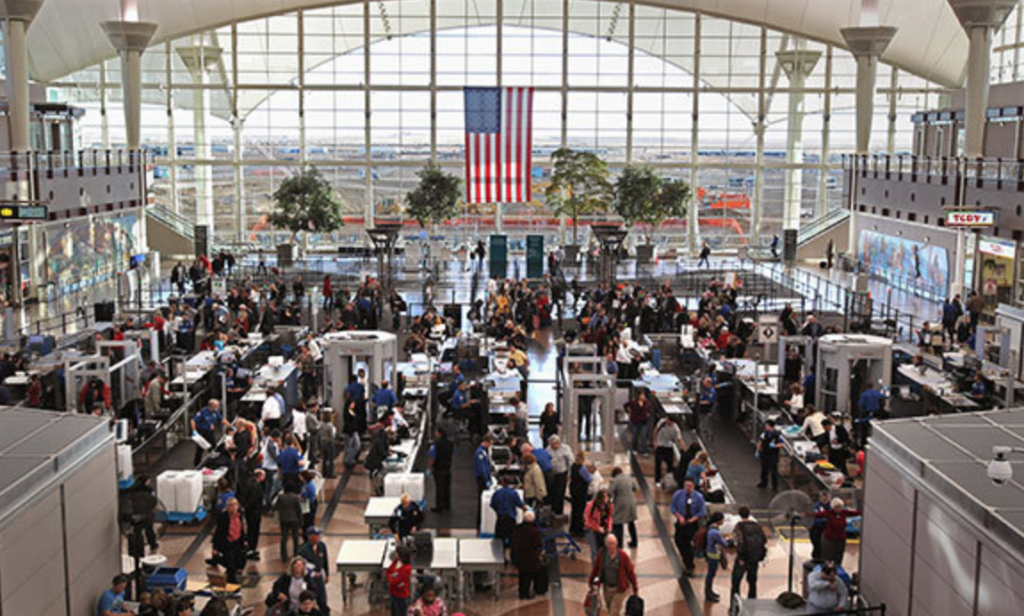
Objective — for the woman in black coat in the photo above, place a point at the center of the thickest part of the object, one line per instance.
(282, 593)
(229, 540)
(578, 486)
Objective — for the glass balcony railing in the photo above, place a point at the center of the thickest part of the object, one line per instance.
(66, 162)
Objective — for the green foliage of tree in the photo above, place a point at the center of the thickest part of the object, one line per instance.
(436, 198)
(579, 185)
(644, 197)
(306, 202)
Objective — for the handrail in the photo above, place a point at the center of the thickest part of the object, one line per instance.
(817, 226)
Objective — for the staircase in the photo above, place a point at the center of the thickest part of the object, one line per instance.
(170, 233)
(813, 238)
(173, 234)
(821, 225)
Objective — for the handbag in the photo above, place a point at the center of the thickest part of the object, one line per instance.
(592, 604)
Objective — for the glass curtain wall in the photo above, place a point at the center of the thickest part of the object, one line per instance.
(370, 92)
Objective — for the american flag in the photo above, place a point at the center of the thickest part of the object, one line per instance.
(499, 142)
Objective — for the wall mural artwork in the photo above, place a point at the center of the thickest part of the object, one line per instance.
(83, 252)
(912, 266)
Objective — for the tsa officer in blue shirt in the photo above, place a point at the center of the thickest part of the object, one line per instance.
(506, 504)
(978, 389)
(204, 423)
(384, 397)
(468, 408)
(708, 396)
(689, 509)
(870, 403)
(482, 470)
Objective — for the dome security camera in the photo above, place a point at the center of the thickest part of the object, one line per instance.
(999, 469)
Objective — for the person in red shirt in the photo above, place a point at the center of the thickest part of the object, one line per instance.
(35, 392)
(229, 541)
(617, 578)
(723, 339)
(833, 538)
(328, 293)
(399, 575)
(95, 396)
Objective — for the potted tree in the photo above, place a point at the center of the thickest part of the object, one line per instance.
(435, 199)
(579, 186)
(304, 203)
(645, 198)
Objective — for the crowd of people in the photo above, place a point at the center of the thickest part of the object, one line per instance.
(262, 454)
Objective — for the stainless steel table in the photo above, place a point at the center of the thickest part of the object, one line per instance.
(359, 556)
(446, 562)
(481, 555)
(378, 512)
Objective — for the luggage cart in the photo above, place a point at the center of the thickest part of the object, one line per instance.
(556, 542)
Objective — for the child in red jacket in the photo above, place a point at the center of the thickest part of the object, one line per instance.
(399, 576)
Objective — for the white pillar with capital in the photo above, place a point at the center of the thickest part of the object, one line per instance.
(867, 44)
(130, 39)
(980, 19)
(798, 65)
(199, 60)
(18, 16)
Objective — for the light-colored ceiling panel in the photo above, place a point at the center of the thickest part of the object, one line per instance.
(66, 35)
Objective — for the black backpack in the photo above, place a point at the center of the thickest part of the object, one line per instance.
(754, 546)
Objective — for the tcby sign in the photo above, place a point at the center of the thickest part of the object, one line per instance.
(970, 219)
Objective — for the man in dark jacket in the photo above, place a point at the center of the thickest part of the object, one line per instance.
(406, 518)
(527, 545)
(229, 540)
(440, 464)
(314, 551)
(289, 516)
(250, 495)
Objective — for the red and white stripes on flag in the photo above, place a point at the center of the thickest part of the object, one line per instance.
(499, 142)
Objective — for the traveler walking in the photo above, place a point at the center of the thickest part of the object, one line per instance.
(613, 570)
(751, 549)
(622, 491)
(689, 509)
(714, 552)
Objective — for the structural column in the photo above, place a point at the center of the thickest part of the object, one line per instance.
(798, 65)
(240, 206)
(18, 15)
(199, 59)
(866, 43)
(130, 39)
(980, 19)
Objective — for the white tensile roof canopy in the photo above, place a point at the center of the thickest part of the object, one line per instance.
(66, 37)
